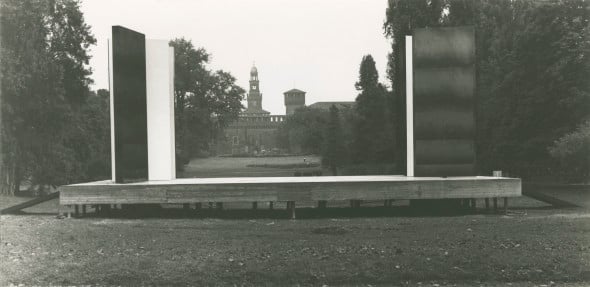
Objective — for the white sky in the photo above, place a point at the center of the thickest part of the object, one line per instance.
(315, 46)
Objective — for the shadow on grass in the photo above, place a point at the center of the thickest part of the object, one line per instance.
(155, 211)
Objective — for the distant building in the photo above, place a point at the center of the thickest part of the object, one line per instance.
(327, 105)
(255, 130)
(294, 99)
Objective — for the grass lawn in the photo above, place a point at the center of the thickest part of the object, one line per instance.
(242, 166)
(532, 245)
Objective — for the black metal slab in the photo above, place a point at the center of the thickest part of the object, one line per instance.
(130, 107)
(444, 87)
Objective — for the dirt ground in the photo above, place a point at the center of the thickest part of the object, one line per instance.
(533, 245)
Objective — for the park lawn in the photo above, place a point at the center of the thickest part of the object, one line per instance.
(245, 166)
(532, 245)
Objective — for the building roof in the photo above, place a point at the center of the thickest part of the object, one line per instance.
(255, 111)
(294, 91)
(253, 71)
(327, 105)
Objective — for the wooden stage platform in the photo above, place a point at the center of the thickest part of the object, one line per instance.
(288, 189)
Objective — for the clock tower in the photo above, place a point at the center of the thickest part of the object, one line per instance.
(254, 95)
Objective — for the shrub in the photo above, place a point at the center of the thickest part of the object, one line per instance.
(572, 151)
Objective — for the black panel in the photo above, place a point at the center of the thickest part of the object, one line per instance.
(445, 151)
(444, 47)
(450, 86)
(443, 169)
(130, 110)
(444, 86)
(449, 123)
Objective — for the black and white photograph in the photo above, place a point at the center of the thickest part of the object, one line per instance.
(295, 143)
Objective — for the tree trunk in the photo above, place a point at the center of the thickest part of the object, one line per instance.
(10, 179)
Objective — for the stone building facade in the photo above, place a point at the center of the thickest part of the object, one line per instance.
(254, 131)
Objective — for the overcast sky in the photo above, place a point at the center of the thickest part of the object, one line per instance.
(315, 46)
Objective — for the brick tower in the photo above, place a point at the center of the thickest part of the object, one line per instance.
(294, 99)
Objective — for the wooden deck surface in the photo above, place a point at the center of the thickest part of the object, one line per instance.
(193, 190)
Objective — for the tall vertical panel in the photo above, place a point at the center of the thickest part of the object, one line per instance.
(160, 110)
(444, 91)
(112, 111)
(409, 108)
(128, 97)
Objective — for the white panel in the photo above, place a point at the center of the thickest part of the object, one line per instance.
(160, 110)
(409, 108)
(112, 108)
(171, 99)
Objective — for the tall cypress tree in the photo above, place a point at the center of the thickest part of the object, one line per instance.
(373, 135)
(334, 151)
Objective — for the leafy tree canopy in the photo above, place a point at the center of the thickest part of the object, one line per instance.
(532, 70)
(205, 101)
(44, 88)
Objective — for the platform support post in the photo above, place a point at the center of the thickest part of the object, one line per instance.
(291, 208)
(473, 204)
(505, 205)
(76, 210)
(107, 208)
(271, 205)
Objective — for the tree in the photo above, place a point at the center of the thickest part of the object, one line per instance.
(69, 41)
(531, 73)
(373, 132)
(572, 151)
(531, 86)
(303, 131)
(205, 101)
(44, 78)
(95, 119)
(334, 150)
